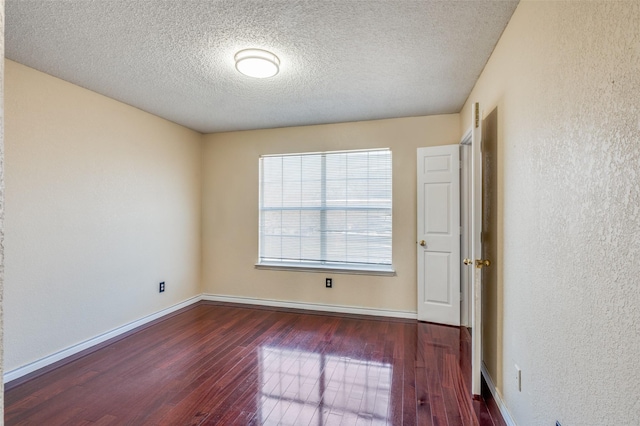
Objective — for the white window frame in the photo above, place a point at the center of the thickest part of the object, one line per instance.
(325, 266)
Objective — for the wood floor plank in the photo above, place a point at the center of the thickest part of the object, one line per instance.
(409, 397)
(233, 364)
(423, 402)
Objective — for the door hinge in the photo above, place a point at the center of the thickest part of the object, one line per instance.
(461, 230)
(476, 114)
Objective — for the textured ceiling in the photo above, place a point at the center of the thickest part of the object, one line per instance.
(341, 60)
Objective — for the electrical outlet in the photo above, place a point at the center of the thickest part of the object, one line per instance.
(161, 287)
(329, 283)
(518, 377)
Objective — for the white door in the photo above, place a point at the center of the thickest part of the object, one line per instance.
(476, 260)
(439, 234)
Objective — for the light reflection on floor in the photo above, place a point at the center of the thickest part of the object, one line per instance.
(301, 388)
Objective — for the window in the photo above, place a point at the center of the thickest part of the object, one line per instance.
(328, 210)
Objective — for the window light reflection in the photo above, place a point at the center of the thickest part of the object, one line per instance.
(300, 387)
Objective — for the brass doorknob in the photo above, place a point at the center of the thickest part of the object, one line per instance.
(478, 262)
(482, 262)
(423, 243)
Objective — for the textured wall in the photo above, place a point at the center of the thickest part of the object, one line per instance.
(566, 79)
(103, 203)
(230, 210)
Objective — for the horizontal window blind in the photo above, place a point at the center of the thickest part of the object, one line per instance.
(326, 209)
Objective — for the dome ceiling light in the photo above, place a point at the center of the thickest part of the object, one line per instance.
(257, 63)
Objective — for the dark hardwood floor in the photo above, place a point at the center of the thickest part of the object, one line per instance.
(222, 364)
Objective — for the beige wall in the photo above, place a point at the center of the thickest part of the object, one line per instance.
(230, 210)
(102, 203)
(565, 78)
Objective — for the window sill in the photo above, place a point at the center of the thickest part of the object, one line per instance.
(320, 269)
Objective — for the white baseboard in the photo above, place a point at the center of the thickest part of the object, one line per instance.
(342, 309)
(72, 350)
(506, 415)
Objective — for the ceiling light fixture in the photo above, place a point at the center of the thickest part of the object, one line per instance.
(257, 63)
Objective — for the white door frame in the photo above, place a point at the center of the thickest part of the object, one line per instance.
(471, 223)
